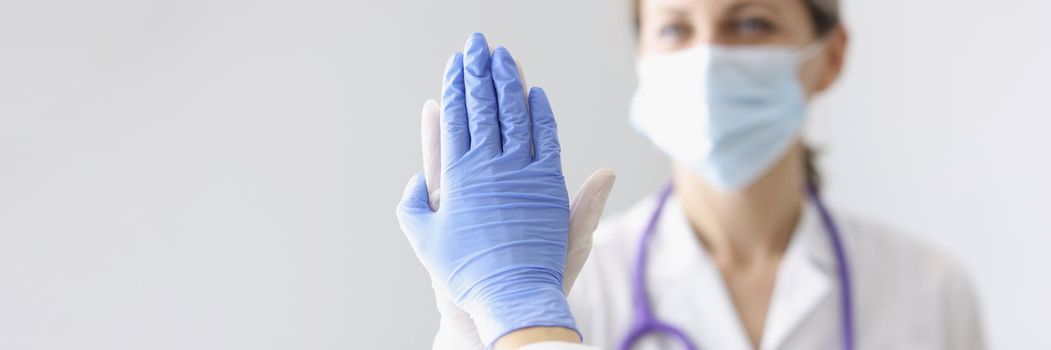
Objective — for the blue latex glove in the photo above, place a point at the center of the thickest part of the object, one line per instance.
(497, 246)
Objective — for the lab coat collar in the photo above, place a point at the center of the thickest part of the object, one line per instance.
(806, 277)
(687, 290)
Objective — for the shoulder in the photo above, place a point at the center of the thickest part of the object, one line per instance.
(899, 278)
(879, 250)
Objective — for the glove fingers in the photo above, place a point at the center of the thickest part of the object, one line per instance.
(545, 132)
(514, 116)
(430, 133)
(455, 134)
(521, 76)
(585, 212)
(482, 113)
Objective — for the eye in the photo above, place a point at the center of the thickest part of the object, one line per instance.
(673, 32)
(753, 27)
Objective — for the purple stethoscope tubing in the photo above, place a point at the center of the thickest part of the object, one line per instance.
(646, 321)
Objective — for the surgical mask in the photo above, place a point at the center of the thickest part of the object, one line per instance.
(727, 112)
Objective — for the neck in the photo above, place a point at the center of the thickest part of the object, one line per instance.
(752, 225)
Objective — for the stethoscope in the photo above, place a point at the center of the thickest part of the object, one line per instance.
(646, 322)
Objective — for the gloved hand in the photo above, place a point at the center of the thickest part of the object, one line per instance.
(456, 330)
(498, 245)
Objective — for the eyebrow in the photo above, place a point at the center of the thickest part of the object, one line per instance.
(671, 10)
(742, 5)
(677, 10)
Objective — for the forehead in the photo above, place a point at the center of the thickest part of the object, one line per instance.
(714, 5)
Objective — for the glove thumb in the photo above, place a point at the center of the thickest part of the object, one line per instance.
(413, 204)
(430, 134)
(584, 215)
(415, 195)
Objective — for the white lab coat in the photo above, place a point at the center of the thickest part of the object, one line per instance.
(906, 296)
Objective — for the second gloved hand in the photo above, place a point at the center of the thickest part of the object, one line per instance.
(497, 246)
(456, 330)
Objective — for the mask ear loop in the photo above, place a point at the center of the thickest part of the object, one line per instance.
(812, 49)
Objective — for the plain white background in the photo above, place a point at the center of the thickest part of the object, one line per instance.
(223, 174)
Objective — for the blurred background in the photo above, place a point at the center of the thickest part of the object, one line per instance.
(223, 174)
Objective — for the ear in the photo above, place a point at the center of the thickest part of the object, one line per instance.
(835, 57)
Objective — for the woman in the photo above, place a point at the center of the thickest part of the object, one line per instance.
(737, 252)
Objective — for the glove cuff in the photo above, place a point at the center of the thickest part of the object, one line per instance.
(544, 306)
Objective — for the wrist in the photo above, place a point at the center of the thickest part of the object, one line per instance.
(513, 311)
(526, 336)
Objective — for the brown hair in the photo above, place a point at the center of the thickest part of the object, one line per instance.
(824, 15)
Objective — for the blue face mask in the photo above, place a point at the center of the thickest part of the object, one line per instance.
(727, 112)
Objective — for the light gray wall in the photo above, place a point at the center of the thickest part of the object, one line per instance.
(940, 128)
(223, 174)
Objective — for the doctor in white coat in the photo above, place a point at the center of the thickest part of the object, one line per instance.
(737, 251)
